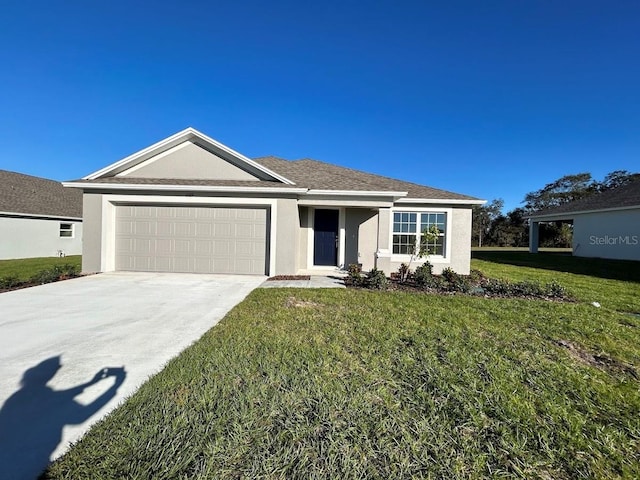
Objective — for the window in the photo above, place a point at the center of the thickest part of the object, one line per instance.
(408, 228)
(66, 229)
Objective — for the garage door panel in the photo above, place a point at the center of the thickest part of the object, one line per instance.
(191, 239)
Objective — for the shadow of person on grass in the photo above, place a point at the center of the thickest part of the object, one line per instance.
(32, 419)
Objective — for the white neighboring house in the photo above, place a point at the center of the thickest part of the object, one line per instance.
(606, 225)
(38, 217)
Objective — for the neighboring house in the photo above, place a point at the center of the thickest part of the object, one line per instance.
(191, 204)
(38, 217)
(605, 225)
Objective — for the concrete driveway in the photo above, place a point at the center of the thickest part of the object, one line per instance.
(72, 351)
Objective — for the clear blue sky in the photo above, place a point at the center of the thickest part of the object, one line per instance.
(488, 98)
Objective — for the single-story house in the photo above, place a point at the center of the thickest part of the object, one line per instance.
(605, 225)
(38, 217)
(190, 204)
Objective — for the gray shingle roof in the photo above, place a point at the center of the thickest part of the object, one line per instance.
(24, 194)
(622, 197)
(306, 173)
(314, 174)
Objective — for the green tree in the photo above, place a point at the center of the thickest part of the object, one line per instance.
(483, 217)
(564, 190)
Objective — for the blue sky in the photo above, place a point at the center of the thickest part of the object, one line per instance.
(488, 98)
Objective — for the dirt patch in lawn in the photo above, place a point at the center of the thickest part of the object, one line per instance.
(293, 302)
(603, 362)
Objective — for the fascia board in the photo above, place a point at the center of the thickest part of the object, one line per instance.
(568, 215)
(170, 142)
(357, 193)
(33, 215)
(181, 188)
(448, 201)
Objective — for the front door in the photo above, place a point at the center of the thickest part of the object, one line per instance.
(325, 237)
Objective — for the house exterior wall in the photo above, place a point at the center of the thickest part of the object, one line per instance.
(30, 237)
(188, 161)
(612, 234)
(98, 246)
(92, 237)
(361, 231)
(458, 241)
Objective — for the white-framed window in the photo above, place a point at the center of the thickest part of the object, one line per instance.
(408, 228)
(66, 230)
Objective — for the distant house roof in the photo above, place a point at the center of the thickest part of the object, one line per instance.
(626, 196)
(26, 195)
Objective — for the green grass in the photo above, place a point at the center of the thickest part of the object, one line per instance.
(298, 383)
(615, 284)
(25, 268)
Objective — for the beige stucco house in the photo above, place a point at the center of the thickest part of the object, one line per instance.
(38, 217)
(605, 225)
(191, 204)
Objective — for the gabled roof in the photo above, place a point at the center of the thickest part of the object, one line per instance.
(187, 135)
(26, 195)
(303, 177)
(624, 197)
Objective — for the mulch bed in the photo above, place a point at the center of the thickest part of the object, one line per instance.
(289, 277)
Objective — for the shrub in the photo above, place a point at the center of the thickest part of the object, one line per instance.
(403, 272)
(376, 279)
(58, 272)
(449, 275)
(554, 290)
(10, 281)
(354, 276)
(423, 274)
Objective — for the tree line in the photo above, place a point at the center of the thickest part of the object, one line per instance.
(492, 227)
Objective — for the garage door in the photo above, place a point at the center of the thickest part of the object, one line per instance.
(191, 239)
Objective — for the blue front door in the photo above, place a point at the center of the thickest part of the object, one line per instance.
(325, 237)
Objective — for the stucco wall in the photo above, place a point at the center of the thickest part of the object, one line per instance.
(614, 234)
(361, 232)
(459, 243)
(92, 236)
(287, 237)
(189, 161)
(32, 237)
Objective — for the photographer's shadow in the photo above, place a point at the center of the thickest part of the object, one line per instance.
(32, 419)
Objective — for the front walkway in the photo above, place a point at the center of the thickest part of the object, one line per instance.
(315, 281)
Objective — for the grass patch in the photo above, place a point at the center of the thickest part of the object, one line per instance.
(612, 283)
(25, 268)
(298, 383)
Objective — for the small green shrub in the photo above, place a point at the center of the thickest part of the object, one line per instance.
(354, 276)
(376, 279)
(10, 281)
(423, 274)
(554, 290)
(449, 275)
(58, 272)
(404, 272)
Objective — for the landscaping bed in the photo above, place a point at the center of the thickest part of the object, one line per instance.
(422, 280)
(23, 273)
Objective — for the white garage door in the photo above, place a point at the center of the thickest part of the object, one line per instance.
(191, 239)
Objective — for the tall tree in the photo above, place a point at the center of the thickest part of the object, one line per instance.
(616, 179)
(483, 217)
(565, 189)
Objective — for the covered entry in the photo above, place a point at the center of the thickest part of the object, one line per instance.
(158, 238)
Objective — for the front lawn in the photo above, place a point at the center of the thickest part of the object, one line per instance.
(298, 383)
(26, 268)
